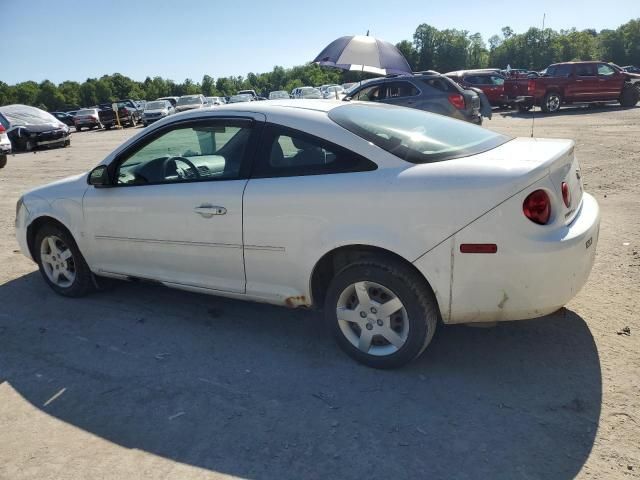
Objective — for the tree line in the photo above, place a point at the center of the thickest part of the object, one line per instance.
(429, 49)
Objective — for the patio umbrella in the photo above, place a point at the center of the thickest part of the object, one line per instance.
(365, 54)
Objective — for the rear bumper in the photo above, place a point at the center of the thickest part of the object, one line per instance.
(531, 275)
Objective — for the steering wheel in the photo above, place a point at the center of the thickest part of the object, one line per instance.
(167, 161)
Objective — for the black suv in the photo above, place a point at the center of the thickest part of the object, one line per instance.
(428, 91)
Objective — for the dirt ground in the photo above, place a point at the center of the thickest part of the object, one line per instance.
(147, 382)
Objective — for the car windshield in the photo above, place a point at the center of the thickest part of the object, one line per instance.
(310, 93)
(189, 100)
(334, 88)
(155, 105)
(414, 135)
(87, 111)
(278, 94)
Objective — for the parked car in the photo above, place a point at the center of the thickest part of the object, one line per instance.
(241, 98)
(307, 93)
(29, 128)
(215, 101)
(333, 92)
(253, 93)
(491, 83)
(348, 85)
(64, 117)
(172, 100)
(88, 117)
(156, 110)
(127, 115)
(631, 69)
(278, 95)
(5, 144)
(465, 225)
(574, 83)
(190, 102)
(425, 91)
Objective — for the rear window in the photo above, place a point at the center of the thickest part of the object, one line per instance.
(441, 83)
(414, 135)
(88, 111)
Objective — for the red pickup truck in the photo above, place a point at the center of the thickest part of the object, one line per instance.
(574, 83)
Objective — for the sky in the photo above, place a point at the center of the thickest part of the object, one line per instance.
(75, 40)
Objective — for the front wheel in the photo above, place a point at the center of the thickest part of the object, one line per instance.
(3, 161)
(60, 262)
(551, 102)
(381, 312)
(629, 96)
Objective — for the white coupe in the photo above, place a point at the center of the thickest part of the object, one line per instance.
(392, 219)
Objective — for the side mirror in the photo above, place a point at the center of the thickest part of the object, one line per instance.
(99, 177)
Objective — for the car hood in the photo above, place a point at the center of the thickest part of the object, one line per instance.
(71, 188)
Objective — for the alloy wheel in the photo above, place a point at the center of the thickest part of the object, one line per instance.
(57, 261)
(372, 318)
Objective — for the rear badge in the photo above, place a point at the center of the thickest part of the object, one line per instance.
(589, 242)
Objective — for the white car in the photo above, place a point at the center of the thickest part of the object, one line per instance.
(5, 144)
(390, 218)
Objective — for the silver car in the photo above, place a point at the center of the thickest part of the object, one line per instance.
(156, 110)
(190, 102)
(307, 93)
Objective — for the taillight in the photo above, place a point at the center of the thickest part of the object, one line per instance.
(531, 86)
(566, 194)
(537, 207)
(2, 129)
(457, 100)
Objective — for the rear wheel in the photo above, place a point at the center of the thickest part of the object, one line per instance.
(551, 102)
(380, 312)
(78, 129)
(629, 96)
(3, 161)
(60, 262)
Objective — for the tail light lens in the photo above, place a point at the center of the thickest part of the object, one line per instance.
(531, 86)
(537, 207)
(457, 100)
(2, 129)
(566, 194)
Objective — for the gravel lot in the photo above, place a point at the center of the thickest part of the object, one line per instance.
(147, 382)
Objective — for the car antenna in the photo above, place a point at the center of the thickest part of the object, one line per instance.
(533, 108)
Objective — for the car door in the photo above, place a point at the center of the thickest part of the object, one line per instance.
(174, 210)
(302, 190)
(400, 93)
(610, 82)
(585, 87)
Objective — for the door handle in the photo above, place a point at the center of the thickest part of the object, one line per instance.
(208, 211)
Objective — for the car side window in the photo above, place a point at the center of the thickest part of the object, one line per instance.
(203, 151)
(606, 70)
(286, 153)
(585, 70)
(495, 80)
(400, 89)
(562, 71)
(370, 94)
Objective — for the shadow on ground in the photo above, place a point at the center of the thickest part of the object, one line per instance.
(564, 111)
(262, 392)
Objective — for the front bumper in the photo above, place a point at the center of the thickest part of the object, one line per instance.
(530, 276)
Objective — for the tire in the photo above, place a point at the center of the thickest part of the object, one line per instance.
(29, 146)
(108, 127)
(78, 280)
(382, 282)
(551, 102)
(629, 96)
(3, 161)
(523, 107)
(78, 129)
